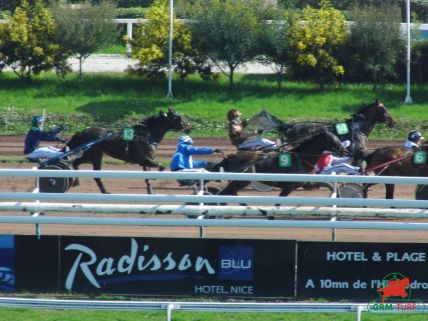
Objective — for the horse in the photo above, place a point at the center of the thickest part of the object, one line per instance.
(303, 159)
(141, 150)
(357, 130)
(394, 161)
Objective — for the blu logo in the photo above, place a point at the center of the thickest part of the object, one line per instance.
(236, 263)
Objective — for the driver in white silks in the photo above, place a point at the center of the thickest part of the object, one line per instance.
(241, 138)
(328, 163)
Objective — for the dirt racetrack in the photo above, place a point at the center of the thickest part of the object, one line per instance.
(12, 146)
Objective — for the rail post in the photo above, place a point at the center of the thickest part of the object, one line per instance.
(334, 195)
(359, 312)
(169, 309)
(35, 214)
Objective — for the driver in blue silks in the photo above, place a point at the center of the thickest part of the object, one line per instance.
(35, 135)
(182, 158)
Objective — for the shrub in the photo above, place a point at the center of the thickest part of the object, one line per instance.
(314, 43)
(28, 42)
(375, 44)
(420, 61)
(150, 43)
(129, 13)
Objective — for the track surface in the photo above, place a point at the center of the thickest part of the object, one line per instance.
(12, 146)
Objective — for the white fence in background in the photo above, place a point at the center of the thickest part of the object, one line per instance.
(130, 22)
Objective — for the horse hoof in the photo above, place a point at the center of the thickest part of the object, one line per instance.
(161, 168)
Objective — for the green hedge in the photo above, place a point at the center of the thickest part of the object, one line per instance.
(136, 12)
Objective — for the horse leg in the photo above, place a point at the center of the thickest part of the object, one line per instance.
(365, 189)
(96, 164)
(75, 165)
(148, 181)
(286, 191)
(389, 191)
(233, 187)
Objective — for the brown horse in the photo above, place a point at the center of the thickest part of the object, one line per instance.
(359, 126)
(394, 161)
(141, 150)
(303, 158)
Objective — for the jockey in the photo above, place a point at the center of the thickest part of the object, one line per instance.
(237, 134)
(414, 140)
(182, 158)
(35, 135)
(240, 138)
(328, 163)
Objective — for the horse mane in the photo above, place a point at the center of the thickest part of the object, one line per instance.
(308, 141)
(361, 112)
(149, 120)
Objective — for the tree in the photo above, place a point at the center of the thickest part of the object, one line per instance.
(275, 43)
(28, 42)
(84, 29)
(315, 37)
(150, 44)
(375, 44)
(225, 31)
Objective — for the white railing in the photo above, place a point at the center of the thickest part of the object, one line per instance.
(38, 205)
(416, 206)
(329, 207)
(168, 307)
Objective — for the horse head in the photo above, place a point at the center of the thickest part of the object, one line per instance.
(176, 121)
(375, 112)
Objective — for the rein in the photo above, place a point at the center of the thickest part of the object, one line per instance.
(385, 165)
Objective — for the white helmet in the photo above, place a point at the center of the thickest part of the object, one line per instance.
(415, 136)
(346, 143)
(185, 140)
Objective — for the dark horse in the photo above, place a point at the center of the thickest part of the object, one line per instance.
(303, 158)
(359, 126)
(394, 161)
(141, 150)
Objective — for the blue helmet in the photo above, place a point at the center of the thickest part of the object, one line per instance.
(36, 120)
(185, 140)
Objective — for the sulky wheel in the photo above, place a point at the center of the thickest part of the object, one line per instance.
(261, 187)
(350, 190)
(54, 184)
(65, 165)
(421, 192)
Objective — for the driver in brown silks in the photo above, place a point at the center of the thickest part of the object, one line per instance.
(240, 138)
(237, 125)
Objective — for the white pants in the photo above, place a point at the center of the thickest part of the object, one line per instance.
(342, 168)
(187, 182)
(258, 143)
(44, 153)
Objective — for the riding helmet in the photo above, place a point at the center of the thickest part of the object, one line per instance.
(185, 140)
(415, 136)
(36, 120)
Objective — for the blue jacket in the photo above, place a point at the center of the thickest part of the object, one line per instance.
(36, 135)
(182, 159)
